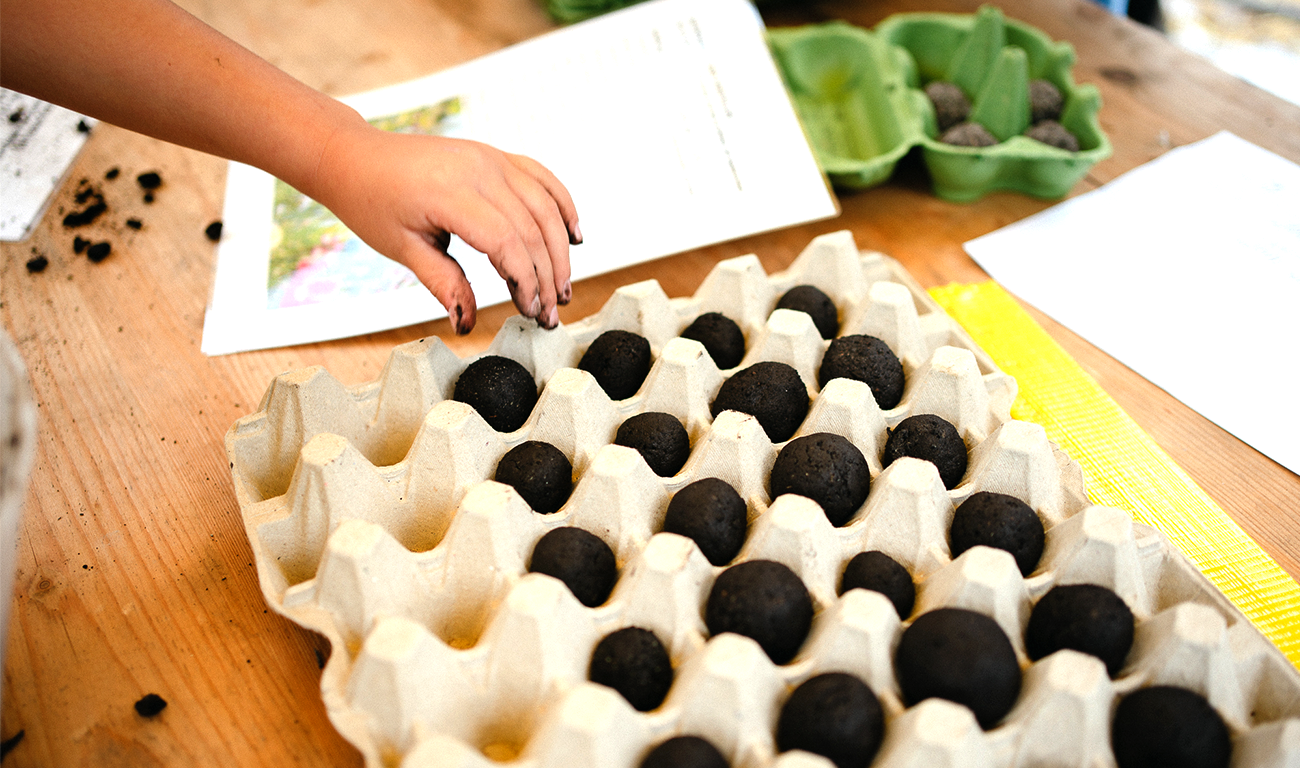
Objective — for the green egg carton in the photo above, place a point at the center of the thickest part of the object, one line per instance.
(851, 92)
(858, 94)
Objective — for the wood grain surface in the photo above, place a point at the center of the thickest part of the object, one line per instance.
(134, 573)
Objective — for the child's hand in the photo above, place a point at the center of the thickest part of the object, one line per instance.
(403, 194)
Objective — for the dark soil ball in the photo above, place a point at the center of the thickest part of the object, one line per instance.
(579, 559)
(541, 474)
(1053, 134)
(999, 521)
(950, 104)
(712, 514)
(620, 361)
(500, 389)
(929, 437)
(866, 359)
(1166, 726)
(771, 392)
(633, 662)
(834, 715)
(685, 752)
(1083, 617)
(818, 306)
(660, 438)
(961, 656)
(826, 468)
(881, 573)
(721, 337)
(968, 135)
(762, 600)
(1045, 101)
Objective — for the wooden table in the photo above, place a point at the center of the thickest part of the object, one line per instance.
(134, 572)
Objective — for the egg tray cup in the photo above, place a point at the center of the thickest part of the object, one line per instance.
(374, 521)
(859, 96)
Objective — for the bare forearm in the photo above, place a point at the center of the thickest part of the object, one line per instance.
(149, 66)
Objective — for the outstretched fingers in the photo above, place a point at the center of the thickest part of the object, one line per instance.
(548, 198)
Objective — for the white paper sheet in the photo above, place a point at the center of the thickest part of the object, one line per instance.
(38, 142)
(1187, 270)
(667, 122)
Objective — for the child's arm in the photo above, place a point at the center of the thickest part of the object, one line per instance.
(149, 66)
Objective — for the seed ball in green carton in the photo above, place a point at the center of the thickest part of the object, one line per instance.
(968, 135)
(1045, 101)
(633, 662)
(950, 105)
(721, 337)
(811, 300)
(1054, 134)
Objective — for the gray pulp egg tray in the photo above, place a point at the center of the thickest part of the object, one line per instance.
(374, 522)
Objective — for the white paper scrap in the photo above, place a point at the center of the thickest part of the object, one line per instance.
(667, 122)
(1185, 269)
(40, 141)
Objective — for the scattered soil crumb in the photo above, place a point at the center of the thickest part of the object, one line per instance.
(83, 126)
(8, 744)
(37, 263)
(149, 180)
(148, 197)
(113, 173)
(99, 251)
(16, 116)
(134, 223)
(150, 705)
(213, 231)
(80, 244)
(90, 197)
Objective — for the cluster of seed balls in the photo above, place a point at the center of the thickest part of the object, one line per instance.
(952, 111)
(955, 654)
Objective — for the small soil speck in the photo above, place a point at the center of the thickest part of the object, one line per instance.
(99, 251)
(150, 705)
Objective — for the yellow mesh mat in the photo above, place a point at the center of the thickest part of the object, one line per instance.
(1122, 465)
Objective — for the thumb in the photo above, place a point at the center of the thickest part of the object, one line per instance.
(444, 278)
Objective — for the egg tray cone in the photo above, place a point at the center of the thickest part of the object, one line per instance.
(374, 521)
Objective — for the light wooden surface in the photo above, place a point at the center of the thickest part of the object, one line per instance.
(134, 573)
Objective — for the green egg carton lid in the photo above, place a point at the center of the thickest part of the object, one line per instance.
(859, 95)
